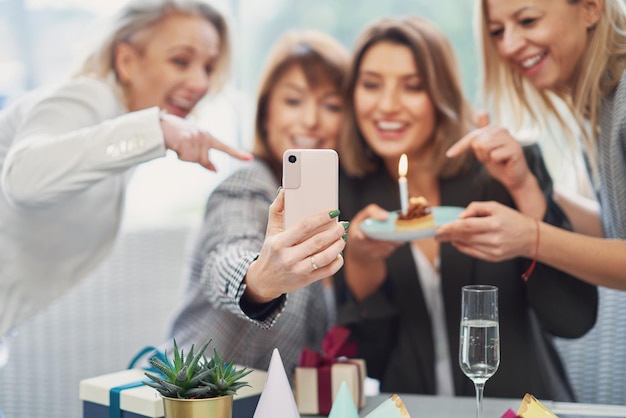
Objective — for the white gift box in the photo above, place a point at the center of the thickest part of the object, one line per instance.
(307, 384)
(145, 402)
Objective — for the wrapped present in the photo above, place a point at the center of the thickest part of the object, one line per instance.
(318, 377)
(123, 395)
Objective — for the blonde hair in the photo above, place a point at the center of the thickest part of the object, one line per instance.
(603, 62)
(138, 15)
(323, 61)
(437, 66)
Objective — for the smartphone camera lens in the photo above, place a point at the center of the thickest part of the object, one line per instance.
(292, 159)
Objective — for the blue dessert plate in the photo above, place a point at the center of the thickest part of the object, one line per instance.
(386, 230)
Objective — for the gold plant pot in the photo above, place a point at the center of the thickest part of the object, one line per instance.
(221, 407)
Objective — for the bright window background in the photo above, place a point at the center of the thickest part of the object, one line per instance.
(42, 41)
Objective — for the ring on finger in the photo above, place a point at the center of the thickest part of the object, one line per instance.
(312, 260)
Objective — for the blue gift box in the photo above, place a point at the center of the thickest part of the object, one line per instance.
(137, 400)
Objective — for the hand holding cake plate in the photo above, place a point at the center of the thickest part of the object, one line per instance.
(387, 230)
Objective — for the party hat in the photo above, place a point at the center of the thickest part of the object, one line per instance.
(393, 407)
(343, 406)
(277, 398)
(532, 408)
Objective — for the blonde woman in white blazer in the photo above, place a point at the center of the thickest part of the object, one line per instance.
(66, 152)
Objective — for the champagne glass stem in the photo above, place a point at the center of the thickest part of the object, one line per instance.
(479, 398)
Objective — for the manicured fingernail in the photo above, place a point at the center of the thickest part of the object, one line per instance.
(346, 225)
(278, 191)
(333, 213)
(345, 237)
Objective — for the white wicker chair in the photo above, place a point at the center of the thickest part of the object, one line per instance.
(596, 363)
(97, 327)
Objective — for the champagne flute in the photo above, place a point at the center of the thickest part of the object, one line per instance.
(479, 355)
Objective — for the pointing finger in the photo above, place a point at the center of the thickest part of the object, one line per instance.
(220, 146)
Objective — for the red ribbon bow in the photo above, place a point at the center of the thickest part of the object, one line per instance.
(334, 345)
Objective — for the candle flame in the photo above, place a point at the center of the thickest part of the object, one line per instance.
(403, 165)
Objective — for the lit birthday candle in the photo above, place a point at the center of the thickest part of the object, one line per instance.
(403, 167)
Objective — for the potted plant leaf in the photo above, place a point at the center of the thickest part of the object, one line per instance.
(194, 386)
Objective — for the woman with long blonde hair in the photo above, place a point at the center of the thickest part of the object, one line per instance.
(573, 50)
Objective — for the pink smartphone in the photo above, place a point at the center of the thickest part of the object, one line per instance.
(310, 181)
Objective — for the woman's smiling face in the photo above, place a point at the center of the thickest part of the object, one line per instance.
(543, 40)
(392, 107)
(170, 64)
(299, 116)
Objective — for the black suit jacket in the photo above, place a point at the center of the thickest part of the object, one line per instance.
(393, 327)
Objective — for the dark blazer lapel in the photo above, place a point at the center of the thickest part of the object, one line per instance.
(407, 288)
(456, 268)
(414, 313)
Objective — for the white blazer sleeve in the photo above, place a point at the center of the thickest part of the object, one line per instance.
(74, 138)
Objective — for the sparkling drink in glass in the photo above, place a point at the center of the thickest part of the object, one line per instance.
(479, 353)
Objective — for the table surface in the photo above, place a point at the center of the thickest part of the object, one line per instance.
(426, 406)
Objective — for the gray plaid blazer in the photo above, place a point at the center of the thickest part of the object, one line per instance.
(612, 152)
(228, 241)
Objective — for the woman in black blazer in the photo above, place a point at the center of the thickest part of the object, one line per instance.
(402, 300)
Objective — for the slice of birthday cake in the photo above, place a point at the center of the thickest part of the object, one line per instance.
(418, 216)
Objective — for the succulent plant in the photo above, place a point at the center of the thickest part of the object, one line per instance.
(195, 376)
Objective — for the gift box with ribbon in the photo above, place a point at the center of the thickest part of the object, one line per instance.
(318, 376)
(123, 395)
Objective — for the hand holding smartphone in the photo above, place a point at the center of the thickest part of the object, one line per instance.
(311, 183)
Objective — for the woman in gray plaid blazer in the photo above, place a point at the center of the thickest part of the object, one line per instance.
(252, 285)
